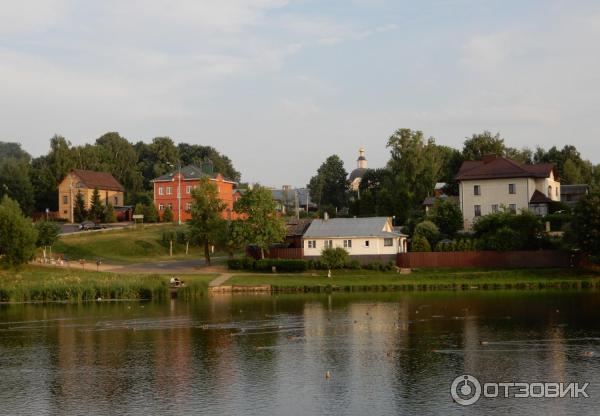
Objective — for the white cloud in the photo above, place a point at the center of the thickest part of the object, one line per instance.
(31, 16)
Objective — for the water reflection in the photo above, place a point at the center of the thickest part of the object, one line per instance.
(260, 354)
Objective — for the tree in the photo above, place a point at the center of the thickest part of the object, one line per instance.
(109, 214)
(47, 235)
(167, 214)
(96, 207)
(15, 183)
(79, 211)
(232, 237)
(334, 258)
(206, 222)
(479, 145)
(447, 216)
(262, 226)
(17, 234)
(328, 187)
(571, 173)
(508, 231)
(420, 243)
(193, 154)
(120, 158)
(150, 213)
(585, 224)
(429, 231)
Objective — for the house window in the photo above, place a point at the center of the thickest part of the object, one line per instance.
(347, 243)
(388, 242)
(161, 190)
(169, 190)
(116, 200)
(328, 243)
(312, 244)
(65, 199)
(161, 207)
(367, 243)
(478, 210)
(512, 188)
(512, 208)
(494, 208)
(170, 206)
(188, 206)
(477, 190)
(188, 189)
(549, 192)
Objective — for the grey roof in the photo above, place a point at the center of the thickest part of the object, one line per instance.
(288, 197)
(188, 172)
(574, 189)
(349, 227)
(357, 173)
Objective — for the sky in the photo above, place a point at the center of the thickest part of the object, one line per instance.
(280, 85)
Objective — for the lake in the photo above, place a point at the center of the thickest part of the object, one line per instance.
(315, 354)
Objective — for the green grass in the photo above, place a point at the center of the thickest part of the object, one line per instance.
(439, 279)
(124, 246)
(45, 284)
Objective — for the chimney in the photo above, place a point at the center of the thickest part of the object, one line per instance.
(489, 158)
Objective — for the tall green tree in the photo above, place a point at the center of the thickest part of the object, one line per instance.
(447, 216)
(15, 183)
(17, 234)
(96, 207)
(120, 158)
(329, 187)
(167, 214)
(47, 235)
(194, 154)
(585, 224)
(79, 211)
(206, 222)
(262, 226)
(482, 144)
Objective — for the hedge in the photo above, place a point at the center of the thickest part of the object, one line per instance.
(266, 265)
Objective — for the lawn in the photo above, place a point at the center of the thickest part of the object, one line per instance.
(37, 283)
(124, 246)
(423, 279)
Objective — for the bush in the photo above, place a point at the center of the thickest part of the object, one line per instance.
(420, 243)
(375, 265)
(244, 263)
(508, 231)
(353, 265)
(167, 214)
(447, 216)
(282, 265)
(334, 258)
(429, 231)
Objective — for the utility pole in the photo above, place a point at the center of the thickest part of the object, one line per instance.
(178, 190)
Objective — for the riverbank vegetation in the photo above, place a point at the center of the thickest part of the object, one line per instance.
(45, 284)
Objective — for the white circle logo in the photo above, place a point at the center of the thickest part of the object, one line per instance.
(465, 390)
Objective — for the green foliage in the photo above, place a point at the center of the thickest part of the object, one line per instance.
(167, 214)
(429, 231)
(328, 187)
(281, 265)
(79, 211)
(47, 233)
(334, 258)
(447, 216)
(261, 225)
(150, 213)
(420, 244)
(206, 223)
(508, 231)
(18, 237)
(96, 213)
(232, 237)
(585, 226)
(244, 263)
(109, 214)
(15, 182)
(572, 168)
(480, 145)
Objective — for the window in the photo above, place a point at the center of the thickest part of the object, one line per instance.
(65, 199)
(347, 243)
(512, 208)
(188, 189)
(170, 206)
(478, 210)
(161, 207)
(312, 244)
(328, 243)
(477, 190)
(188, 206)
(512, 188)
(169, 190)
(116, 200)
(494, 208)
(388, 242)
(367, 243)
(161, 191)
(549, 192)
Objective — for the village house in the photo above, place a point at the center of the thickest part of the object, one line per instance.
(174, 190)
(438, 194)
(571, 194)
(288, 200)
(495, 183)
(365, 239)
(84, 182)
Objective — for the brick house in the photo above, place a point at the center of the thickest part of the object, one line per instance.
(182, 182)
(84, 182)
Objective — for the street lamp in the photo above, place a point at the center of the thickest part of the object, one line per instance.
(178, 190)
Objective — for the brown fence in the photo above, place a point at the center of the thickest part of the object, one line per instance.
(277, 253)
(524, 259)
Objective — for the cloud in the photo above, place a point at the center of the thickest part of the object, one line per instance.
(31, 16)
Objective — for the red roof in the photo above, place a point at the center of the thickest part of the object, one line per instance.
(499, 167)
(539, 198)
(100, 180)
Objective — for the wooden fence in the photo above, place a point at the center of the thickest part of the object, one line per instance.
(499, 259)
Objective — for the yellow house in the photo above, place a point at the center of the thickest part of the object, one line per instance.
(84, 182)
(494, 183)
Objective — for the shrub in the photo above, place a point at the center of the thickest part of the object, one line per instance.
(447, 216)
(334, 258)
(420, 243)
(282, 265)
(375, 265)
(244, 263)
(429, 231)
(353, 265)
(167, 214)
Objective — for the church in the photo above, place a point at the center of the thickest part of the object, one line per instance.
(357, 174)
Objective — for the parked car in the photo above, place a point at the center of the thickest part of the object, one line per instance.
(87, 225)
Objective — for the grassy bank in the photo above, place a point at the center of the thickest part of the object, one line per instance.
(439, 279)
(124, 246)
(49, 284)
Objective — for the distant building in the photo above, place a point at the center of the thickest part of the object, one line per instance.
(365, 239)
(287, 199)
(494, 183)
(84, 182)
(438, 194)
(182, 182)
(571, 194)
(357, 174)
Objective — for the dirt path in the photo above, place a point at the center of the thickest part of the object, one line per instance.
(223, 277)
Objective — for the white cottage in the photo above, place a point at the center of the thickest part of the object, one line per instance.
(365, 239)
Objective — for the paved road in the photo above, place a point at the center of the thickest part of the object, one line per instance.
(179, 267)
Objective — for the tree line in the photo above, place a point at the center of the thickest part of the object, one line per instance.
(417, 163)
(33, 182)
